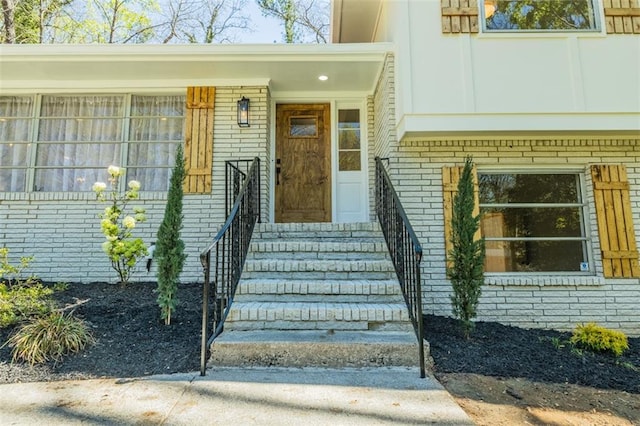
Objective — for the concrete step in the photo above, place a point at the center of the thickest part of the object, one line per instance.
(252, 315)
(311, 231)
(317, 294)
(318, 290)
(319, 269)
(320, 348)
(340, 249)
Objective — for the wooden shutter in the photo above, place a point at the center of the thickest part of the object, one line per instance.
(198, 144)
(459, 16)
(622, 16)
(450, 179)
(615, 224)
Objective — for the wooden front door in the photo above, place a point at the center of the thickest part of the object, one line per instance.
(303, 163)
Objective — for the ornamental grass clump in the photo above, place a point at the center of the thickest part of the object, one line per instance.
(595, 338)
(49, 337)
(123, 250)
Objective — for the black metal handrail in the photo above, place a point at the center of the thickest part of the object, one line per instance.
(404, 248)
(231, 245)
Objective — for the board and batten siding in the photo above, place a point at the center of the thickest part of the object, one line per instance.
(622, 16)
(198, 139)
(459, 16)
(615, 221)
(549, 301)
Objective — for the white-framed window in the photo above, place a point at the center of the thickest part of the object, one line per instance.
(15, 141)
(349, 143)
(156, 127)
(350, 171)
(539, 15)
(65, 142)
(534, 222)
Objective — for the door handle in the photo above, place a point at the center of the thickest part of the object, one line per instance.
(278, 169)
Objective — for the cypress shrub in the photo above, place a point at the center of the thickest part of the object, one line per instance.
(169, 252)
(466, 269)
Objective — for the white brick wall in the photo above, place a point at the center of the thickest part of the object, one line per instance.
(384, 110)
(232, 142)
(371, 141)
(529, 301)
(61, 230)
(382, 122)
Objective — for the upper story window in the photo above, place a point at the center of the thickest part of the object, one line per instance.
(64, 143)
(533, 222)
(539, 15)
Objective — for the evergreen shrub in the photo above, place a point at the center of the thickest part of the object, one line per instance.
(595, 338)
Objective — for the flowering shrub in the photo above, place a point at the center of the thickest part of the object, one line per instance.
(121, 248)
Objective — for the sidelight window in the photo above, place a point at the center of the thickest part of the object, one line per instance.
(349, 140)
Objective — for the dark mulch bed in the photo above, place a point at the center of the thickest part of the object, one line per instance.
(131, 341)
(539, 355)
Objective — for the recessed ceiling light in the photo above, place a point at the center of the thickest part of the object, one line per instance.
(323, 78)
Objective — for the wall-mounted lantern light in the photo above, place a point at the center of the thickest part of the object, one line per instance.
(243, 112)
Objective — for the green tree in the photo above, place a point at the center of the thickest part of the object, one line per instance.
(170, 248)
(108, 21)
(31, 21)
(210, 21)
(8, 21)
(467, 255)
(122, 21)
(303, 20)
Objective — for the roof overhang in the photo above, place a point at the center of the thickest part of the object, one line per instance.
(283, 67)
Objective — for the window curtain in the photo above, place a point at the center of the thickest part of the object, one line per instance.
(15, 129)
(78, 138)
(156, 128)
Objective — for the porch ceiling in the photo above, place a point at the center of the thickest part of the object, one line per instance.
(286, 68)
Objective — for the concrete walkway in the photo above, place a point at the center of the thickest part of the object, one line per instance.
(238, 396)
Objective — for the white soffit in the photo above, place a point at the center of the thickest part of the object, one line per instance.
(354, 21)
(350, 67)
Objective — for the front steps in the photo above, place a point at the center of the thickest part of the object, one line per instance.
(320, 294)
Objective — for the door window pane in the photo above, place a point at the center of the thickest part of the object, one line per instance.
(303, 127)
(349, 161)
(349, 149)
